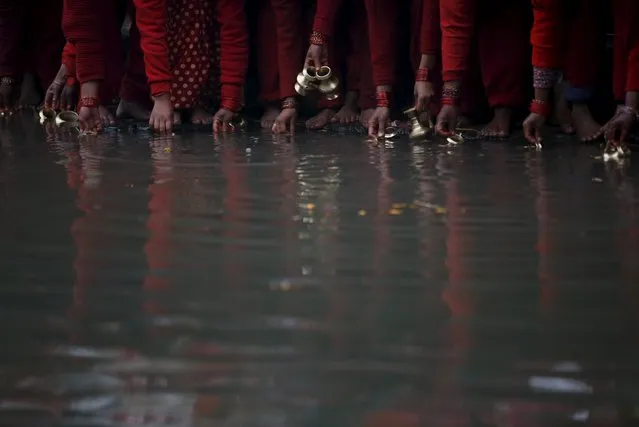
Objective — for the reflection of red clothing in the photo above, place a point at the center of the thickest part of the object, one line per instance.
(81, 24)
(570, 44)
(626, 48)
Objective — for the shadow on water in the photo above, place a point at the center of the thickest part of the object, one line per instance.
(317, 282)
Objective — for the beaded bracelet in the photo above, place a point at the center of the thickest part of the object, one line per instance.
(545, 78)
(289, 103)
(450, 94)
(89, 102)
(540, 107)
(318, 38)
(7, 81)
(382, 99)
(421, 75)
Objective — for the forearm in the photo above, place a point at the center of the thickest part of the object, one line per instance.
(430, 39)
(82, 28)
(151, 19)
(546, 35)
(382, 33)
(68, 59)
(325, 15)
(234, 57)
(457, 20)
(289, 43)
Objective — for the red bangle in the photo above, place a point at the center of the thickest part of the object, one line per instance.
(89, 102)
(70, 81)
(231, 104)
(540, 107)
(382, 99)
(318, 38)
(421, 75)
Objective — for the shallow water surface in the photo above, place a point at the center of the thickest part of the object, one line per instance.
(319, 281)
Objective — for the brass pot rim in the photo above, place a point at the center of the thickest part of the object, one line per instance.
(309, 76)
(326, 74)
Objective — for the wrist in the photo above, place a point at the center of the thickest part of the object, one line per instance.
(232, 104)
(422, 75)
(165, 96)
(289, 103)
(427, 61)
(632, 100)
(318, 38)
(451, 92)
(541, 107)
(383, 97)
(545, 78)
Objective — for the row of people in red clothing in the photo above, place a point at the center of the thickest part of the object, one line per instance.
(183, 52)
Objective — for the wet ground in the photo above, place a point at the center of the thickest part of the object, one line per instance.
(319, 281)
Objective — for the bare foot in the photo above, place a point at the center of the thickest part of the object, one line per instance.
(128, 109)
(268, 119)
(365, 117)
(199, 116)
(561, 113)
(346, 115)
(105, 116)
(177, 117)
(29, 95)
(499, 127)
(320, 120)
(587, 128)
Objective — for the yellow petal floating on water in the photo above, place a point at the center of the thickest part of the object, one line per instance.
(395, 212)
(167, 149)
(361, 212)
(399, 205)
(310, 206)
(440, 210)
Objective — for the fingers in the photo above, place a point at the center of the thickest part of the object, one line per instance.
(372, 128)
(442, 127)
(420, 104)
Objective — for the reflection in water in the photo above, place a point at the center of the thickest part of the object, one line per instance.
(256, 282)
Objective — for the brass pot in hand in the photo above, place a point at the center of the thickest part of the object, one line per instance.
(417, 131)
(310, 73)
(329, 85)
(323, 73)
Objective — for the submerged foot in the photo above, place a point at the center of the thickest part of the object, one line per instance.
(346, 115)
(29, 94)
(106, 117)
(269, 116)
(365, 117)
(499, 127)
(320, 120)
(128, 109)
(587, 128)
(199, 116)
(561, 115)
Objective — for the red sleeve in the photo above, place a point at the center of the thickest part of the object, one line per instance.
(457, 25)
(68, 58)
(546, 34)
(150, 17)
(430, 38)
(632, 76)
(235, 47)
(82, 27)
(382, 36)
(325, 14)
(288, 14)
(10, 36)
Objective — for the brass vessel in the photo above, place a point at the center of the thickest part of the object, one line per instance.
(323, 73)
(46, 114)
(417, 131)
(67, 117)
(329, 85)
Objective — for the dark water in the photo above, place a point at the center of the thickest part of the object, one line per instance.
(320, 281)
